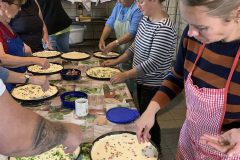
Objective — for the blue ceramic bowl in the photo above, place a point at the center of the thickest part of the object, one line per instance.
(68, 98)
(68, 76)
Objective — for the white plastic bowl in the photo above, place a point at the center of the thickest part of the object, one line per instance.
(76, 34)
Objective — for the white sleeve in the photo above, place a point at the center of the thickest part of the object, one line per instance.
(2, 87)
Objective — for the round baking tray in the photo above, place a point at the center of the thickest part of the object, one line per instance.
(96, 78)
(35, 100)
(37, 73)
(50, 57)
(105, 57)
(9, 158)
(79, 59)
(120, 132)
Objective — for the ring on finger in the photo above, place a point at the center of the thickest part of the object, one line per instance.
(65, 148)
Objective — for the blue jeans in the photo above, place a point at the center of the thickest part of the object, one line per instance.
(60, 42)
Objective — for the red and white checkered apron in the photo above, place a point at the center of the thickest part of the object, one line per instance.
(205, 113)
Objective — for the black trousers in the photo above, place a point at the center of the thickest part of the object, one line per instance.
(145, 94)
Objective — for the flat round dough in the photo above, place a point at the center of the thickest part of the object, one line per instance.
(46, 54)
(52, 69)
(33, 92)
(57, 153)
(75, 55)
(123, 146)
(102, 72)
(106, 55)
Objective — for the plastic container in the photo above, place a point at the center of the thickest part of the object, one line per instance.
(122, 115)
(76, 34)
(70, 77)
(68, 98)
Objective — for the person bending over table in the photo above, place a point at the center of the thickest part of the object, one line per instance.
(10, 43)
(153, 52)
(25, 133)
(207, 68)
(124, 21)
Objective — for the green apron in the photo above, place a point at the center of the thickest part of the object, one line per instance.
(120, 29)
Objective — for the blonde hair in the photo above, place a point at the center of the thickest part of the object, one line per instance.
(219, 8)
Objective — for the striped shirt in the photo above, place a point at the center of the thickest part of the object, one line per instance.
(212, 71)
(153, 49)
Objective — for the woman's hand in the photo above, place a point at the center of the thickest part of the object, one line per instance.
(43, 62)
(144, 124)
(109, 47)
(228, 142)
(119, 78)
(47, 45)
(101, 44)
(40, 80)
(74, 138)
(109, 63)
(27, 49)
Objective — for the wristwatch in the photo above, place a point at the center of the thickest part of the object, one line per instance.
(27, 77)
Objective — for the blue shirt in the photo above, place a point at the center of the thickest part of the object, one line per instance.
(4, 74)
(135, 17)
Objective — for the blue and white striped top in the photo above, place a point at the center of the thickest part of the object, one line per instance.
(154, 49)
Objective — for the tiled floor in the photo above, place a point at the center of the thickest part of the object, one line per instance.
(171, 120)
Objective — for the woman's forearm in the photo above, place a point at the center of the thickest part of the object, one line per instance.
(123, 58)
(153, 108)
(127, 37)
(15, 61)
(132, 73)
(14, 77)
(24, 132)
(45, 31)
(106, 31)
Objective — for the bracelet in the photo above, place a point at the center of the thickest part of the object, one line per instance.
(27, 77)
(117, 42)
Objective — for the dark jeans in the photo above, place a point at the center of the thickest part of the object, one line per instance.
(145, 94)
(60, 42)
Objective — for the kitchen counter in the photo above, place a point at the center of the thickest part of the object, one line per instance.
(93, 21)
(89, 42)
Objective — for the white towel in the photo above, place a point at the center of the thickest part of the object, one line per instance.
(102, 1)
(87, 4)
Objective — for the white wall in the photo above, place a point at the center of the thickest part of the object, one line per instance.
(104, 10)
